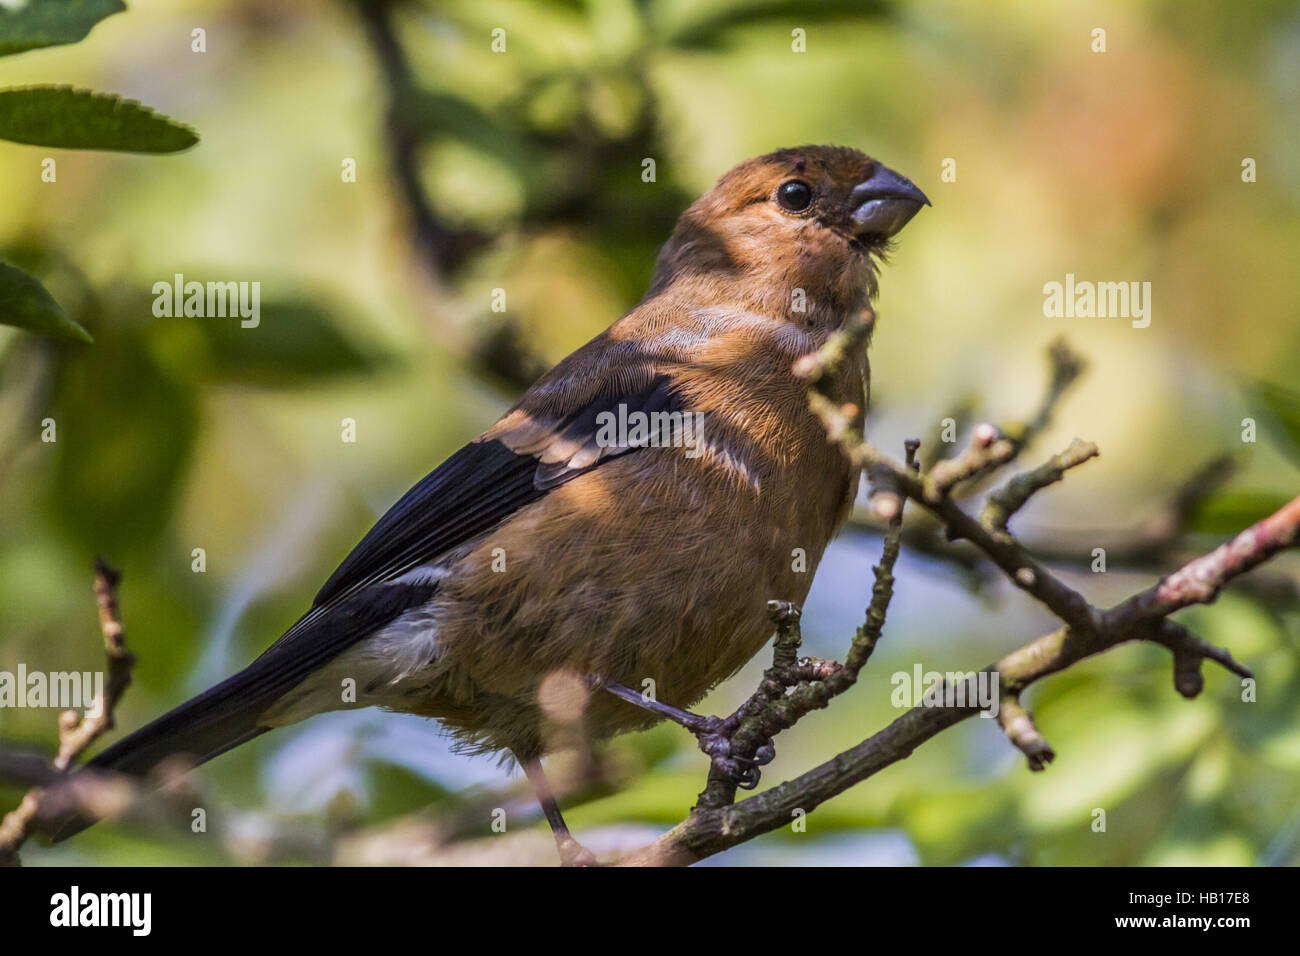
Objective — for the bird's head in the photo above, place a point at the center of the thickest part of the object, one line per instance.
(811, 218)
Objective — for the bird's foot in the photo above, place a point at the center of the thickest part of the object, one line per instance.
(713, 733)
(718, 743)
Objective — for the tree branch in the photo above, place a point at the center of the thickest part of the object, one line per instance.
(1086, 630)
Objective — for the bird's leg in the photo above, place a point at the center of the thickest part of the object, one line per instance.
(713, 733)
(693, 722)
(572, 853)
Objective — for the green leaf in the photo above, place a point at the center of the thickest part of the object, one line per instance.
(79, 119)
(1282, 405)
(39, 23)
(295, 343)
(25, 303)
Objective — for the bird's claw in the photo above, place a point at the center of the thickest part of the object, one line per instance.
(748, 778)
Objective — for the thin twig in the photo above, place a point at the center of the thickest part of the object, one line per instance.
(1011, 497)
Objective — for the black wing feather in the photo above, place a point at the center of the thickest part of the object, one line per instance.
(467, 495)
(584, 424)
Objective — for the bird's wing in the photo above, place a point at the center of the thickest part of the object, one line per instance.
(549, 438)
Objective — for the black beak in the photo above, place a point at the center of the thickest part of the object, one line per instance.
(884, 203)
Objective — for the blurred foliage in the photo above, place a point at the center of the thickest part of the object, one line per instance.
(175, 434)
(70, 119)
(302, 346)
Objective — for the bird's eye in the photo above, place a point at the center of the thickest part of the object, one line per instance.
(794, 195)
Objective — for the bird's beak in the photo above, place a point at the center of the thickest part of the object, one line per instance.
(883, 203)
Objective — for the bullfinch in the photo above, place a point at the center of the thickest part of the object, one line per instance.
(627, 521)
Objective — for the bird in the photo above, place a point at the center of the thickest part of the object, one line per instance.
(625, 523)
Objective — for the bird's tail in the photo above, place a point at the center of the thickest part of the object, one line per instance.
(217, 720)
(235, 710)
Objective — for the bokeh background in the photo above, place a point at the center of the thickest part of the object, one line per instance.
(176, 434)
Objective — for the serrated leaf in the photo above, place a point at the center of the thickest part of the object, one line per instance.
(40, 23)
(80, 119)
(26, 304)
